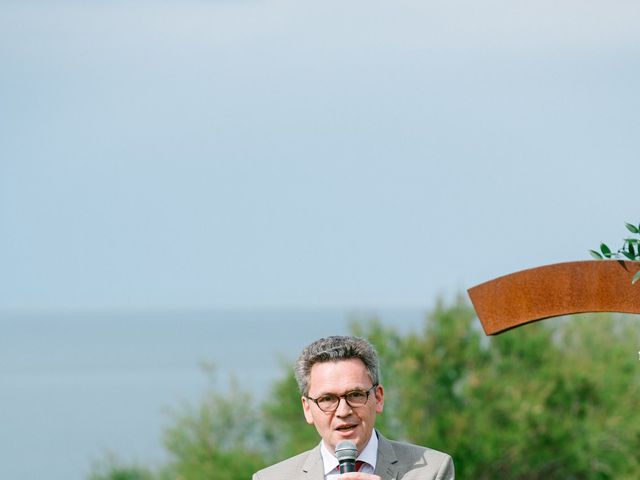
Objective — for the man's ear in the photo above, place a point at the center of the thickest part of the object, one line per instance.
(306, 408)
(379, 392)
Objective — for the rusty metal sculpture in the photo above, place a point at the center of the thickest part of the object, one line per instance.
(554, 290)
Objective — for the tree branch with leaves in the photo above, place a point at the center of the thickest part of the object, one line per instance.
(630, 249)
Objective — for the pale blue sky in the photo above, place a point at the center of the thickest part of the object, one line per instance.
(200, 154)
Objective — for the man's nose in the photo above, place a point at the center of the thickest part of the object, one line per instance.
(344, 408)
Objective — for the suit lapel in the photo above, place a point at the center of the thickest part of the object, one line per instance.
(313, 468)
(386, 463)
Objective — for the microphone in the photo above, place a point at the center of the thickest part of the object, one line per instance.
(346, 453)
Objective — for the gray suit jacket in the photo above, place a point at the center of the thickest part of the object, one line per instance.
(396, 461)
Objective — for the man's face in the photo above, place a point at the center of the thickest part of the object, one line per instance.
(346, 423)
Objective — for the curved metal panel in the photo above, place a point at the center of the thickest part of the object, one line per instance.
(553, 290)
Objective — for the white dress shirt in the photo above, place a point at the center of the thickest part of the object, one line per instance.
(369, 456)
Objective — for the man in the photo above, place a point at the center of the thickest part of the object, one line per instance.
(341, 396)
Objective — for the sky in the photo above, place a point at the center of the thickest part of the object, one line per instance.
(258, 154)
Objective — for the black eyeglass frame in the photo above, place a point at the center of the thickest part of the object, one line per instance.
(340, 397)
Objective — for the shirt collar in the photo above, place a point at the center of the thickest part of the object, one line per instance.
(368, 455)
(370, 452)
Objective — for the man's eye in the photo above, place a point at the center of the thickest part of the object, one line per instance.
(356, 395)
(327, 399)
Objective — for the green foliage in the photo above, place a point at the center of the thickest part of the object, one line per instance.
(221, 438)
(110, 468)
(630, 249)
(549, 400)
(554, 400)
(286, 429)
(113, 472)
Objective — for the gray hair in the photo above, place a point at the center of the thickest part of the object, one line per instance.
(333, 349)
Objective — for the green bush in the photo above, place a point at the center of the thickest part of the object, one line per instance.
(553, 400)
(110, 468)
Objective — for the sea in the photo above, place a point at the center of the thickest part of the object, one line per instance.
(77, 388)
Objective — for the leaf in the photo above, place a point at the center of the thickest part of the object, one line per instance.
(632, 240)
(631, 228)
(595, 254)
(628, 255)
(636, 277)
(606, 251)
(632, 250)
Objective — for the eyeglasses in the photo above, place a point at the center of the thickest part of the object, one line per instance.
(330, 401)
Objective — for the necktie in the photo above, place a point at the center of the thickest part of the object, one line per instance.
(359, 464)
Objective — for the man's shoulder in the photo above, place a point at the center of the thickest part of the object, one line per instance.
(404, 448)
(288, 468)
(417, 460)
